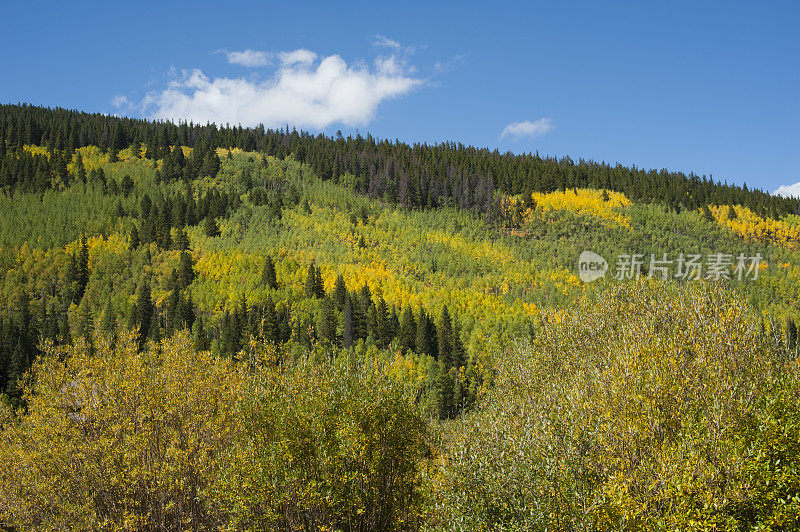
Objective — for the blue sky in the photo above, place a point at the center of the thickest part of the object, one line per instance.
(709, 87)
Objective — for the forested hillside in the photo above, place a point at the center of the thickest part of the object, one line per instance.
(313, 319)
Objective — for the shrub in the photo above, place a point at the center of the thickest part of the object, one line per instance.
(333, 445)
(655, 407)
(119, 440)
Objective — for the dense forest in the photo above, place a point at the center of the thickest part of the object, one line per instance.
(418, 175)
(208, 327)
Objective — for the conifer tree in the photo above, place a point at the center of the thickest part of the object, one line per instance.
(327, 322)
(340, 293)
(210, 227)
(407, 337)
(319, 286)
(143, 313)
(268, 277)
(445, 338)
(311, 281)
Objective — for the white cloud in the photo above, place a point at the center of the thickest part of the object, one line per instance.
(248, 58)
(382, 40)
(788, 190)
(304, 91)
(297, 56)
(527, 128)
(120, 101)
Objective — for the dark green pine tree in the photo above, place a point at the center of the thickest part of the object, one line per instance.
(445, 338)
(319, 286)
(83, 268)
(79, 169)
(210, 226)
(311, 281)
(134, 239)
(407, 336)
(143, 313)
(268, 277)
(201, 339)
(340, 295)
(185, 270)
(327, 322)
(426, 335)
(108, 323)
(181, 240)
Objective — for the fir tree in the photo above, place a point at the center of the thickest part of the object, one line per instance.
(143, 313)
(407, 337)
(311, 281)
(268, 277)
(340, 295)
(210, 226)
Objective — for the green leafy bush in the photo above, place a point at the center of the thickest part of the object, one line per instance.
(653, 407)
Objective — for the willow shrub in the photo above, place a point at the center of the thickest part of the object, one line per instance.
(657, 406)
(325, 445)
(174, 439)
(117, 439)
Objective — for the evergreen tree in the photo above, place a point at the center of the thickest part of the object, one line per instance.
(319, 286)
(327, 321)
(268, 277)
(185, 270)
(426, 335)
(83, 269)
(407, 337)
(210, 227)
(134, 239)
(311, 281)
(340, 295)
(201, 340)
(445, 338)
(270, 330)
(143, 313)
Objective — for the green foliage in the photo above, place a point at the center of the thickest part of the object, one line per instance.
(652, 406)
(325, 445)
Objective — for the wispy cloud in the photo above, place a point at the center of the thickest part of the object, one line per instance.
(386, 42)
(248, 58)
(120, 101)
(788, 190)
(305, 90)
(527, 129)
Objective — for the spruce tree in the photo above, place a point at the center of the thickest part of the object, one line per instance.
(311, 281)
(268, 277)
(210, 226)
(326, 322)
(143, 313)
(340, 293)
(407, 337)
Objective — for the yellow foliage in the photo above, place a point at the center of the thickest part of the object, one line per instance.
(587, 201)
(749, 225)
